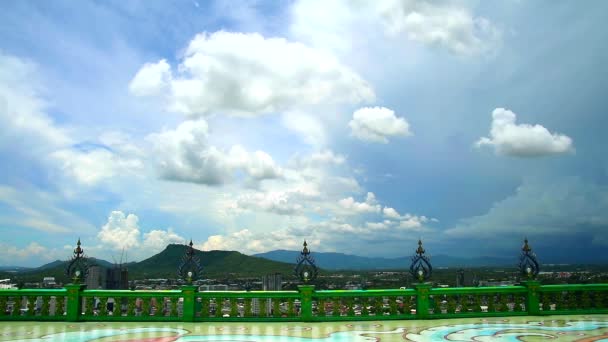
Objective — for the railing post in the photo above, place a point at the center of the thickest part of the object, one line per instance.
(422, 300)
(306, 302)
(74, 306)
(532, 298)
(189, 304)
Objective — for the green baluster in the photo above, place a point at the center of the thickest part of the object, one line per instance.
(234, 310)
(586, 300)
(477, 305)
(89, 303)
(205, 307)
(464, 303)
(336, 307)
(145, 307)
(364, 304)
(503, 303)
(3, 305)
(247, 307)
(44, 310)
(559, 301)
(392, 304)
(517, 303)
(350, 304)
(378, 306)
(59, 305)
(322, 312)
(491, 306)
(263, 307)
(451, 305)
(103, 306)
(407, 305)
(290, 308)
(572, 301)
(31, 305)
(131, 307)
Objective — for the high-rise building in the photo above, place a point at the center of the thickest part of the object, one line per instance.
(270, 282)
(96, 278)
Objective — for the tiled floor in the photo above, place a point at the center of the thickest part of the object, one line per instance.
(554, 328)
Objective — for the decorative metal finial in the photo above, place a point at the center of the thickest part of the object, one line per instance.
(305, 268)
(190, 268)
(78, 265)
(528, 264)
(421, 267)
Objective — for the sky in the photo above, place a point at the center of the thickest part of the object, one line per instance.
(359, 126)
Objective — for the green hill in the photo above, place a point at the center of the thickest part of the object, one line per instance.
(216, 264)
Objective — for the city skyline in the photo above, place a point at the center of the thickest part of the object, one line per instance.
(359, 127)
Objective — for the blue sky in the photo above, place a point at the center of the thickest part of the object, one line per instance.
(359, 126)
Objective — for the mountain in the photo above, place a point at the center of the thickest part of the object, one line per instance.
(164, 265)
(340, 261)
(215, 264)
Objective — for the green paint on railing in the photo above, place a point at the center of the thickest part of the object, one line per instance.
(306, 304)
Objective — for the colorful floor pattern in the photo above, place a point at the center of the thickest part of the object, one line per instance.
(555, 328)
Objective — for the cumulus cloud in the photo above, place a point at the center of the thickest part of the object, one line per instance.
(553, 208)
(278, 202)
(376, 124)
(123, 232)
(184, 154)
(151, 79)
(249, 242)
(91, 167)
(353, 207)
(522, 140)
(248, 74)
(441, 24)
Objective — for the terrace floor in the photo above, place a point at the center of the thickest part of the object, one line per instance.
(555, 328)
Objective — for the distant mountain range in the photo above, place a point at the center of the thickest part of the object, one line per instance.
(164, 265)
(340, 261)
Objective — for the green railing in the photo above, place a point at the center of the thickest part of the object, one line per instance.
(75, 303)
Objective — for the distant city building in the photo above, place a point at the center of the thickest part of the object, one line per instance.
(217, 287)
(270, 282)
(115, 278)
(48, 282)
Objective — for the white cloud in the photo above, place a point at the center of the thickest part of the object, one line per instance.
(120, 232)
(123, 232)
(376, 124)
(39, 210)
(278, 202)
(185, 155)
(14, 255)
(523, 140)
(246, 241)
(553, 208)
(151, 79)
(247, 74)
(353, 207)
(391, 213)
(91, 167)
(440, 24)
(336, 25)
(23, 121)
(308, 127)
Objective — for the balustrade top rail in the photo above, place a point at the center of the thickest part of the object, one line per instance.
(76, 303)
